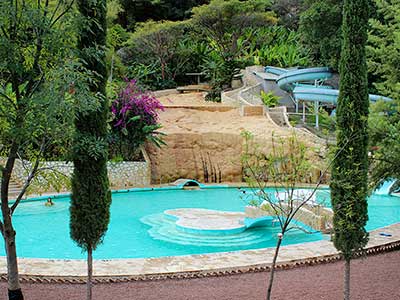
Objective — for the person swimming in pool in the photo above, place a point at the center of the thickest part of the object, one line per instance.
(49, 202)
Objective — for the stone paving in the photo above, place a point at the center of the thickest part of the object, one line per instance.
(191, 263)
(205, 219)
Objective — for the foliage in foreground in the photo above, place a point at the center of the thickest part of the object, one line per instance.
(36, 101)
(269, 99)
(349, 184)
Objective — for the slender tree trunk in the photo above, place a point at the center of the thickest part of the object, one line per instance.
(347, 279)
(90, 273)
(163, 70)
(14, 288)
(271, 276)
(110, 79)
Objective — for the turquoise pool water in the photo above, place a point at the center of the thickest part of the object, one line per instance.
(138, 228)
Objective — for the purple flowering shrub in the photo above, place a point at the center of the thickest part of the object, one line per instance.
(135, 120)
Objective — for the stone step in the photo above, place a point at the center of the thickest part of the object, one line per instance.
(13, 189)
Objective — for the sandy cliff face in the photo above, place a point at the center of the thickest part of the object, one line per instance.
(203, 144)
(194, 155)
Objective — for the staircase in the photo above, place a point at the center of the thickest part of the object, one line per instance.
(13, 190)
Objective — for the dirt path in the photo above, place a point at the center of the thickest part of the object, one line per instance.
(187, 99)
(374, 278)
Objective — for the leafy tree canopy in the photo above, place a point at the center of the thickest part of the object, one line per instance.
(383, 62)
(40, 84)
(223, 22)
(37, 87)
(384, 124)
(384, 48)
(320, 29)
(159, 46)
(144, 10)
(288, 12)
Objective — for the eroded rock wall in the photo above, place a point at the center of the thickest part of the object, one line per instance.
(194, 155)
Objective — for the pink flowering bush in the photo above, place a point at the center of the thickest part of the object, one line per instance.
(135, 120)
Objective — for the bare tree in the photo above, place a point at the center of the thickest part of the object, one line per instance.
(276, 176)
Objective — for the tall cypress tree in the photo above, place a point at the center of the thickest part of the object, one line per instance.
(91, 197)
(349, 172)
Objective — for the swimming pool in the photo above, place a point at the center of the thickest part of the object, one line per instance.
(139, 229)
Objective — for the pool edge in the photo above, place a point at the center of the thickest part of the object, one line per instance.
(195, 266)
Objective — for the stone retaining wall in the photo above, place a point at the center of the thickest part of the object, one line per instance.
(251, 95)
(279, 116)
(56, 175)
(251, 110)
(247, 94)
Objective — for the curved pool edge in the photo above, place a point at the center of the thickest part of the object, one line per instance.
(157, 187)
(194, 266)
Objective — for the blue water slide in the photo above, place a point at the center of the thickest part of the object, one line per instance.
(307, 85)
(296, 81)
(310, 93)
(275, 70)
(386, 187)
(287, 81)
(259, 222)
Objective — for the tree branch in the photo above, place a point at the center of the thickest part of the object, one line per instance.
(30, 177)
(62, 14)
(55, 11)
(319, 182)
(11, 101)
(3, 30)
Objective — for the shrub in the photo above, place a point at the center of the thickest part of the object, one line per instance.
(156, 46)
(276, 46)
(135, 120)
(269, 99)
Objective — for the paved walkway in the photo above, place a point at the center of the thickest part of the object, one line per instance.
(373, 278)
(189, 263)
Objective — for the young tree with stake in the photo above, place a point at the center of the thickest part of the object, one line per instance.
(276, 175)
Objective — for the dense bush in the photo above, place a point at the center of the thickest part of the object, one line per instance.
(219, 38)
(157, 53)
(269, 99)
(320, 29)
(383, 49)
(145, 10)
(288, 12)
(135, 121)
(275, 46)
(383, 62)
(223, 25)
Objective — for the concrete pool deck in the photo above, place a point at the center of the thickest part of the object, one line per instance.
(213, 264)
(218, 222)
